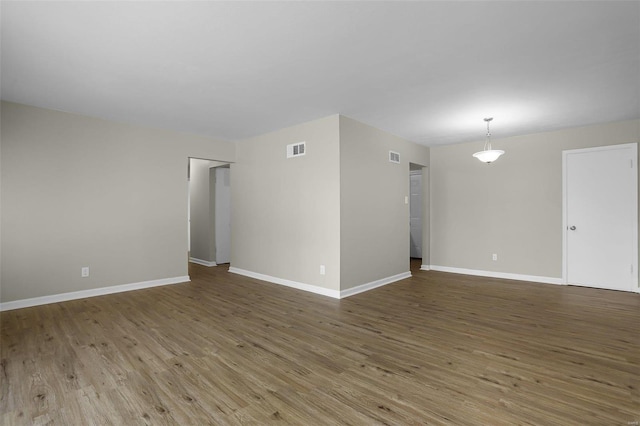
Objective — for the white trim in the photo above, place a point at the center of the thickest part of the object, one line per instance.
(82, 294)
(492, 274)
(425, 267)
(374, 284)
(202, 262)
(634, 203)
(336, 294)
(294, 284)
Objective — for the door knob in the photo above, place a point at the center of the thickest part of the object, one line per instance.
(573, 228)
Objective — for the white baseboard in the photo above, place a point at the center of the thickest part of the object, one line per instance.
(374, 284)
(505, 275)
(294, 284)
(202, 262)
(321, 290)
(425, 267)
(82, 294)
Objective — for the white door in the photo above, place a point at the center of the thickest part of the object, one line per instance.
(601, 217)
(223, 215)
(415, 214)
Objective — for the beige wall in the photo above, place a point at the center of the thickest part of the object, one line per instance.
(512, 207)
(374, 237)
(286, 212)
(78, 191)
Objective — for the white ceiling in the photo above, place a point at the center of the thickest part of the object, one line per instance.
(427, 71)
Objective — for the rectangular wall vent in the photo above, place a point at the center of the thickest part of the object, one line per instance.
(296, 149)
(394, 157)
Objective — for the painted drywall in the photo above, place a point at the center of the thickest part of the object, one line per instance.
(374, 218)
(79, 191)
(201, 197)
(512, 207)
(286, 212)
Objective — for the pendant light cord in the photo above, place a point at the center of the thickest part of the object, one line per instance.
(487, 143)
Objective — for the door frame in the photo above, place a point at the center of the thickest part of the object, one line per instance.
(634, 195)
(221, 163)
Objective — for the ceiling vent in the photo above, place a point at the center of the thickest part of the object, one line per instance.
(296, 149)
(394, 157)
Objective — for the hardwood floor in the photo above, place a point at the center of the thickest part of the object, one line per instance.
(224, 349)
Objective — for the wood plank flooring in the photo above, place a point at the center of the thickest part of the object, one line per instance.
(224, 349)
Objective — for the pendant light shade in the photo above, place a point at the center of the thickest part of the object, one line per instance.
(488, 155)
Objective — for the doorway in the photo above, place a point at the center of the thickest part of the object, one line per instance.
(221, 177)
(209, 212)
(417, 214)
(600, 229)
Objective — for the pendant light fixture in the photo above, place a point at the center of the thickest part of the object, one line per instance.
(488, 155)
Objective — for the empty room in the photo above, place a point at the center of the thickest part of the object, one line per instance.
(317, 213)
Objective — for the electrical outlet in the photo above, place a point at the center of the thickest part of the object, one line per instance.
(84, 272)
(322, 270)
(495, 256)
